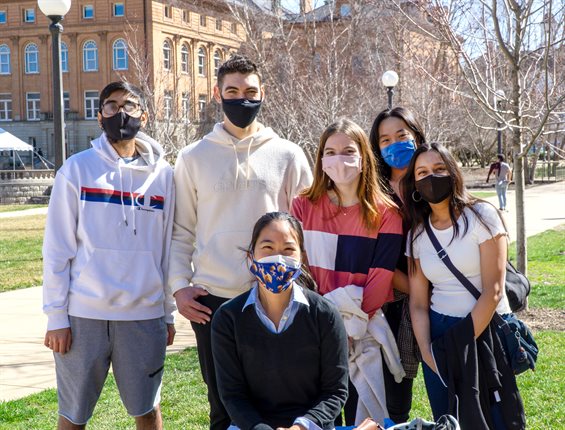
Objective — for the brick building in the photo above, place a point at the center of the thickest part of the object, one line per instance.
(171, 49)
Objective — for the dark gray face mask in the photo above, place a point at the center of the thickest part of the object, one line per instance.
(121, 126)
(241, 112)
(435, 188)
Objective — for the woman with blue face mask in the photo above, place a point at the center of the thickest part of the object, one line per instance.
(395, 135)
(280, 350)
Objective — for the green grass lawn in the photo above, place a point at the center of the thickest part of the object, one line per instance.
(20, 252)
(13, 208)
(546, 268)
(185, 406)
(483, 194)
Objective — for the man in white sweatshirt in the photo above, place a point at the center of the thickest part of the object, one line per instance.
(224, 183)
(105, 255)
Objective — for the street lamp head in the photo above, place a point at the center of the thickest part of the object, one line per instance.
(390, 78)
(54, 7)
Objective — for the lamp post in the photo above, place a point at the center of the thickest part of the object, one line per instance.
(390, 79)
(55, 10)
(498, 99)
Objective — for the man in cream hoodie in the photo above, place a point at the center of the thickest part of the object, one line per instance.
(224, 183)
(105, 254)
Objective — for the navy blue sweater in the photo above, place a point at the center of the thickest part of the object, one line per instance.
(267, 380)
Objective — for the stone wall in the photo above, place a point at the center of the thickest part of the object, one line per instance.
(20, 191)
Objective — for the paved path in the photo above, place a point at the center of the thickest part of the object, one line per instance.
(26, 366)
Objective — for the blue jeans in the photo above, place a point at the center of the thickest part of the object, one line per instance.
(501, 188)
(437, 392)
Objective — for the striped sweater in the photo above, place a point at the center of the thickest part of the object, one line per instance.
(341, 251)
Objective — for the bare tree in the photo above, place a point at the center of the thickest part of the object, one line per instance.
(512, 45)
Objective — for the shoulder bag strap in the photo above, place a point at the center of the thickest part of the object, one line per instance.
(442, 254)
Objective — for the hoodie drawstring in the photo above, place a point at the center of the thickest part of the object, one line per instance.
(247, 171)
(122, 193)
(236, 166)
(132, 197)
(132, 201)
(234, 146)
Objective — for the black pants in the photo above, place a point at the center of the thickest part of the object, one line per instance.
(219, 418)
(398, 395)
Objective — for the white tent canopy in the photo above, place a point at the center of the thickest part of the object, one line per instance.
(9, 142)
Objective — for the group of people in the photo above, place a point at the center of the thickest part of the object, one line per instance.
(311, 296)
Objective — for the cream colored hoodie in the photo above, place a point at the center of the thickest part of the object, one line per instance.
(222, 187)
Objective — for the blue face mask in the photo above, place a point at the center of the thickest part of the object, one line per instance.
(276, 273)
(399, 154)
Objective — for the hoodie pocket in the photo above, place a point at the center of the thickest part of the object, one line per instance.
(121, 278)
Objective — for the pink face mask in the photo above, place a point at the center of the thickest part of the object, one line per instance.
(342, 169)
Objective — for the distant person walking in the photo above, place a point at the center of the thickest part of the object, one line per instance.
(105, 256)
(503, 176)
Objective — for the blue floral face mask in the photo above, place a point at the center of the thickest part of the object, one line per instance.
(276, 272)
(399, 154)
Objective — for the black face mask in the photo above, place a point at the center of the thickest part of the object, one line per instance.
(241, 112)
(435, 188)
(121, 126)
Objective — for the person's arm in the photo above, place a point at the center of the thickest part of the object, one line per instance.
(379, 283)
(400, 282)
(420, 310)
(232, 385)
(493, 270)
(169, 304)
(183, 245)
(298, 177)
(59, 249)
(334, 370)
(492, 166)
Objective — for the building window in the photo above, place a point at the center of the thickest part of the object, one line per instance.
(4, 60)
(234, 27)
(203, 20)
(88, 11)
(5, 107)
(166, 55)
(32, 102)
(168, 12)
(31, 58)
(2, 17)
(91, 102)
(29, 15)
(119, 9)
(168, 105)
(64, 57)
(345, 10)
(217, 62)
(185, 16)
(202, 107)
(120, 54)
(66, 102)
(202, 62)
(186, 106)
(90, 56)
(218, 24)
(184, 59)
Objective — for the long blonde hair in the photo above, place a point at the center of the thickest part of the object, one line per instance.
(369, 193)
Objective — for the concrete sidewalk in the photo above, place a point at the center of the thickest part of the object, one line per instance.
(26, 366)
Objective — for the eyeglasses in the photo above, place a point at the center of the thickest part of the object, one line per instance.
(131, 108)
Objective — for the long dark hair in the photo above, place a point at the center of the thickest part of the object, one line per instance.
(413, 124)
(305, 279)
(416, 209)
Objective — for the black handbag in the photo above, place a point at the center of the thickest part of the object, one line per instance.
(519, 344)
(517, 288)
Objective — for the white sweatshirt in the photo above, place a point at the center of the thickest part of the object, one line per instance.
(109, 224)
(223, 187)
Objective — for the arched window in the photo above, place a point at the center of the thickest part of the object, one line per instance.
(184, 59)
(4, 60)
(217, 61)
(202, 62)
(90, 56)
(166, 55)
(120, 55)
(64, 57)
(31, 58)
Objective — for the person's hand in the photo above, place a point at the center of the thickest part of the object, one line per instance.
(171, 331)
(428, 359)
(293, 427)
(188, 306)
(58, 340)
(368, 424)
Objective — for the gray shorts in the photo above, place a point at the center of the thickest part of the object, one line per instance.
(136, 350)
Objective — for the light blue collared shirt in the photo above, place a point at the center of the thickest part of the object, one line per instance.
(297, 299)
